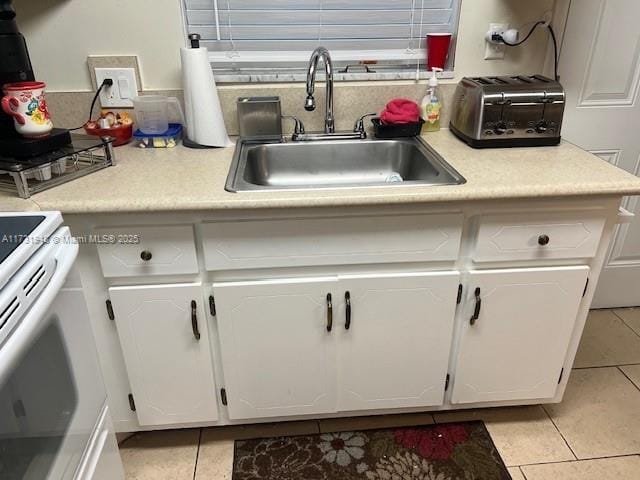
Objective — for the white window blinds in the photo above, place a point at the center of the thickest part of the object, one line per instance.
(284, 32)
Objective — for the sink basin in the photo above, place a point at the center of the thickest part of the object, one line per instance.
(273, 166)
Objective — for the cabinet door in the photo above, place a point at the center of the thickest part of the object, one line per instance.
(170, 370)
(395, 352)
(277, 356)
(516, 348)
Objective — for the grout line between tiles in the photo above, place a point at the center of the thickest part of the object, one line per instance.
(627, 377)
(559, 432)
(577, 460)
(522, 472)
(195, 466)
(433, 415)
(613, 310)
(614, 365)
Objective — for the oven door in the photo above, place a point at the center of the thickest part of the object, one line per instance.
(51, 389)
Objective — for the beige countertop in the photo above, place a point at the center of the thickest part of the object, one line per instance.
(182, 179)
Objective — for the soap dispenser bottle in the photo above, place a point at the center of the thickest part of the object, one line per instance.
(431, 105)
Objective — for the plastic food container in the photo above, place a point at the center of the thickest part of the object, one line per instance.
(168, 139)
(152, 113)
(396, 131)
(122, 133)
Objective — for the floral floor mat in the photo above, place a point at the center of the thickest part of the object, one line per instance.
(450, 451)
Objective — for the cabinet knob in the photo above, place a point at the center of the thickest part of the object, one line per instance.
(146, 255)
(543, 240)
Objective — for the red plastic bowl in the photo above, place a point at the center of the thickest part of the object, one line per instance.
(122, 133)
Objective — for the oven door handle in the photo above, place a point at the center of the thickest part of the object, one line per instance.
(34, 320)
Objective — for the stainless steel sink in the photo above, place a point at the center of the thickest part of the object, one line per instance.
(273, 166)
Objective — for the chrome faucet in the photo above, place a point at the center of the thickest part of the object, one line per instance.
(310, 102)
(299, 135)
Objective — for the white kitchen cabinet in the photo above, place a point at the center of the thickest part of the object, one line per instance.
(268, 342)
(165, 342)
(278, 358)
(396, 351)
(516, 347)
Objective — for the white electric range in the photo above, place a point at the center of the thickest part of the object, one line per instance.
(54, 418)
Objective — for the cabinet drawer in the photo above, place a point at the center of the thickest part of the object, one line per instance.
(329, 241)
(538, 236)
(159, 251)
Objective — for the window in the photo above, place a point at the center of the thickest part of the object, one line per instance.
(274, 38)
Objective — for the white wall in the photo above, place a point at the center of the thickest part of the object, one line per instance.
(475, 17)
(62, 33)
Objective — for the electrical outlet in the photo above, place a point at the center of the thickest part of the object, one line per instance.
(124, 88)
(495, 51)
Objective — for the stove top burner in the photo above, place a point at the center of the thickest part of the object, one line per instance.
(14, 230)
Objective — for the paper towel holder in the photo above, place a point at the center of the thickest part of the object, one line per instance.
(204, 124)
(194, 40)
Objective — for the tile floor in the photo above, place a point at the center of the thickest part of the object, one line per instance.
(594, 434)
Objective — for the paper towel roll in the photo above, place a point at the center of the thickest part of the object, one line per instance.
(205, 124)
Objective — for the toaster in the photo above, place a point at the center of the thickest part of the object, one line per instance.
(508, 111)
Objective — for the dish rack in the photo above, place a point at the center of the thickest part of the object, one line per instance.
(85, 155)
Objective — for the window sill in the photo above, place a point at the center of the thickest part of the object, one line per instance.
(291, 77)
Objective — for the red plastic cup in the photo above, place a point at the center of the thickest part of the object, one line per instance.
(437, 49)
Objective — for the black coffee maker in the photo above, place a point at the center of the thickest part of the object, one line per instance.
(15, 66)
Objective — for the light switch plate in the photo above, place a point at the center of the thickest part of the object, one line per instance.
(123, 90)
(495, 51)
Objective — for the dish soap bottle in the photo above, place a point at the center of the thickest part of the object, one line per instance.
(431, 105)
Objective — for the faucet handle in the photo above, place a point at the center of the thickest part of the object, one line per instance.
(299, 126)
(359, 126)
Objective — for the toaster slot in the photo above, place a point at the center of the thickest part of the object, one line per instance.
(522, 79)
(542, 79)
(489, 81)
(482, 80)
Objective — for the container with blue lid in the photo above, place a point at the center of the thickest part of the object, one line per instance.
(168, 139)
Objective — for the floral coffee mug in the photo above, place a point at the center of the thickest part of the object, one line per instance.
(26, 103)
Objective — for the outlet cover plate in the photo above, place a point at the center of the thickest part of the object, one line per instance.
(124, 88)
(495, 51)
